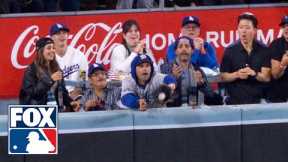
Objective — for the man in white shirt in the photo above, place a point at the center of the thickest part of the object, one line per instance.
(71, 61)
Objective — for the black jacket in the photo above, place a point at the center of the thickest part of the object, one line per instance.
(34, 90)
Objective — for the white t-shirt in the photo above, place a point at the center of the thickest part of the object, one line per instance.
(72, 64)
(120, 61)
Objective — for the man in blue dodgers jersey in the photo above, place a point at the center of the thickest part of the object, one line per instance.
(71, 61)
(139, 90)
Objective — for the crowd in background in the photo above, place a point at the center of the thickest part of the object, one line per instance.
(250, 72)
(24, 6)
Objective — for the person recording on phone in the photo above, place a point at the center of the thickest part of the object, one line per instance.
(100, 95)
(279, 62)
(43, 80)
(140, 90)
(192, 86)
(123, 54)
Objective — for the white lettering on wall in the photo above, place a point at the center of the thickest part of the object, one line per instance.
(212, 37)
(101, 50)
(163, 41)
(269, 36)
(18, 43)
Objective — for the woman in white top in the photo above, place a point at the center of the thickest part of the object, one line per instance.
(123, 54)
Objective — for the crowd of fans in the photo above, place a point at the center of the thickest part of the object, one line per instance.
(251, 72)
(20, 6)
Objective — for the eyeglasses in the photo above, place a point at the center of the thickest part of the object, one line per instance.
(190, 26)
(97, 73)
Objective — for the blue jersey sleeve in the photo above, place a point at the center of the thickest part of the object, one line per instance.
(170, 56)
(207, 59)
(130, 100)
(169, 79)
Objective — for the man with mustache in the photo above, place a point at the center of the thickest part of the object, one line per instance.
(190, 78)
(100, 95)
(279, 52)
(245, 67)
(204, 54)
(139, 90)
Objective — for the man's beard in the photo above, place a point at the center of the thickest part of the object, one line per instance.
(184, 57)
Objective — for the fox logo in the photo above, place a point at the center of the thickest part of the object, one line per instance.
(33, 129)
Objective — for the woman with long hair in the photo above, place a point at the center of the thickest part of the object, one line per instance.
(43, 81)
(123, 54)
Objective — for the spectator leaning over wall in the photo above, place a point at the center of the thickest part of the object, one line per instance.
(140, 89)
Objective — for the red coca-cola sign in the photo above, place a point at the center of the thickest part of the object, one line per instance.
(97, 35)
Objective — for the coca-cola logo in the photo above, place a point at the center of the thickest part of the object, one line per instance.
(88, 33)
(101, 48)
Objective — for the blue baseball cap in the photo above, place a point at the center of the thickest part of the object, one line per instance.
(141, 58)
(284, 21)
(94, 67)
(57, 28)
(190, 20)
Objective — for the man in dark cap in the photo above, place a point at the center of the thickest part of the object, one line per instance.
(204, 54)
(279, 61)
(100, 95)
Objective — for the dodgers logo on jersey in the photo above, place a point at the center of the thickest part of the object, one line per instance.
(32, 129)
